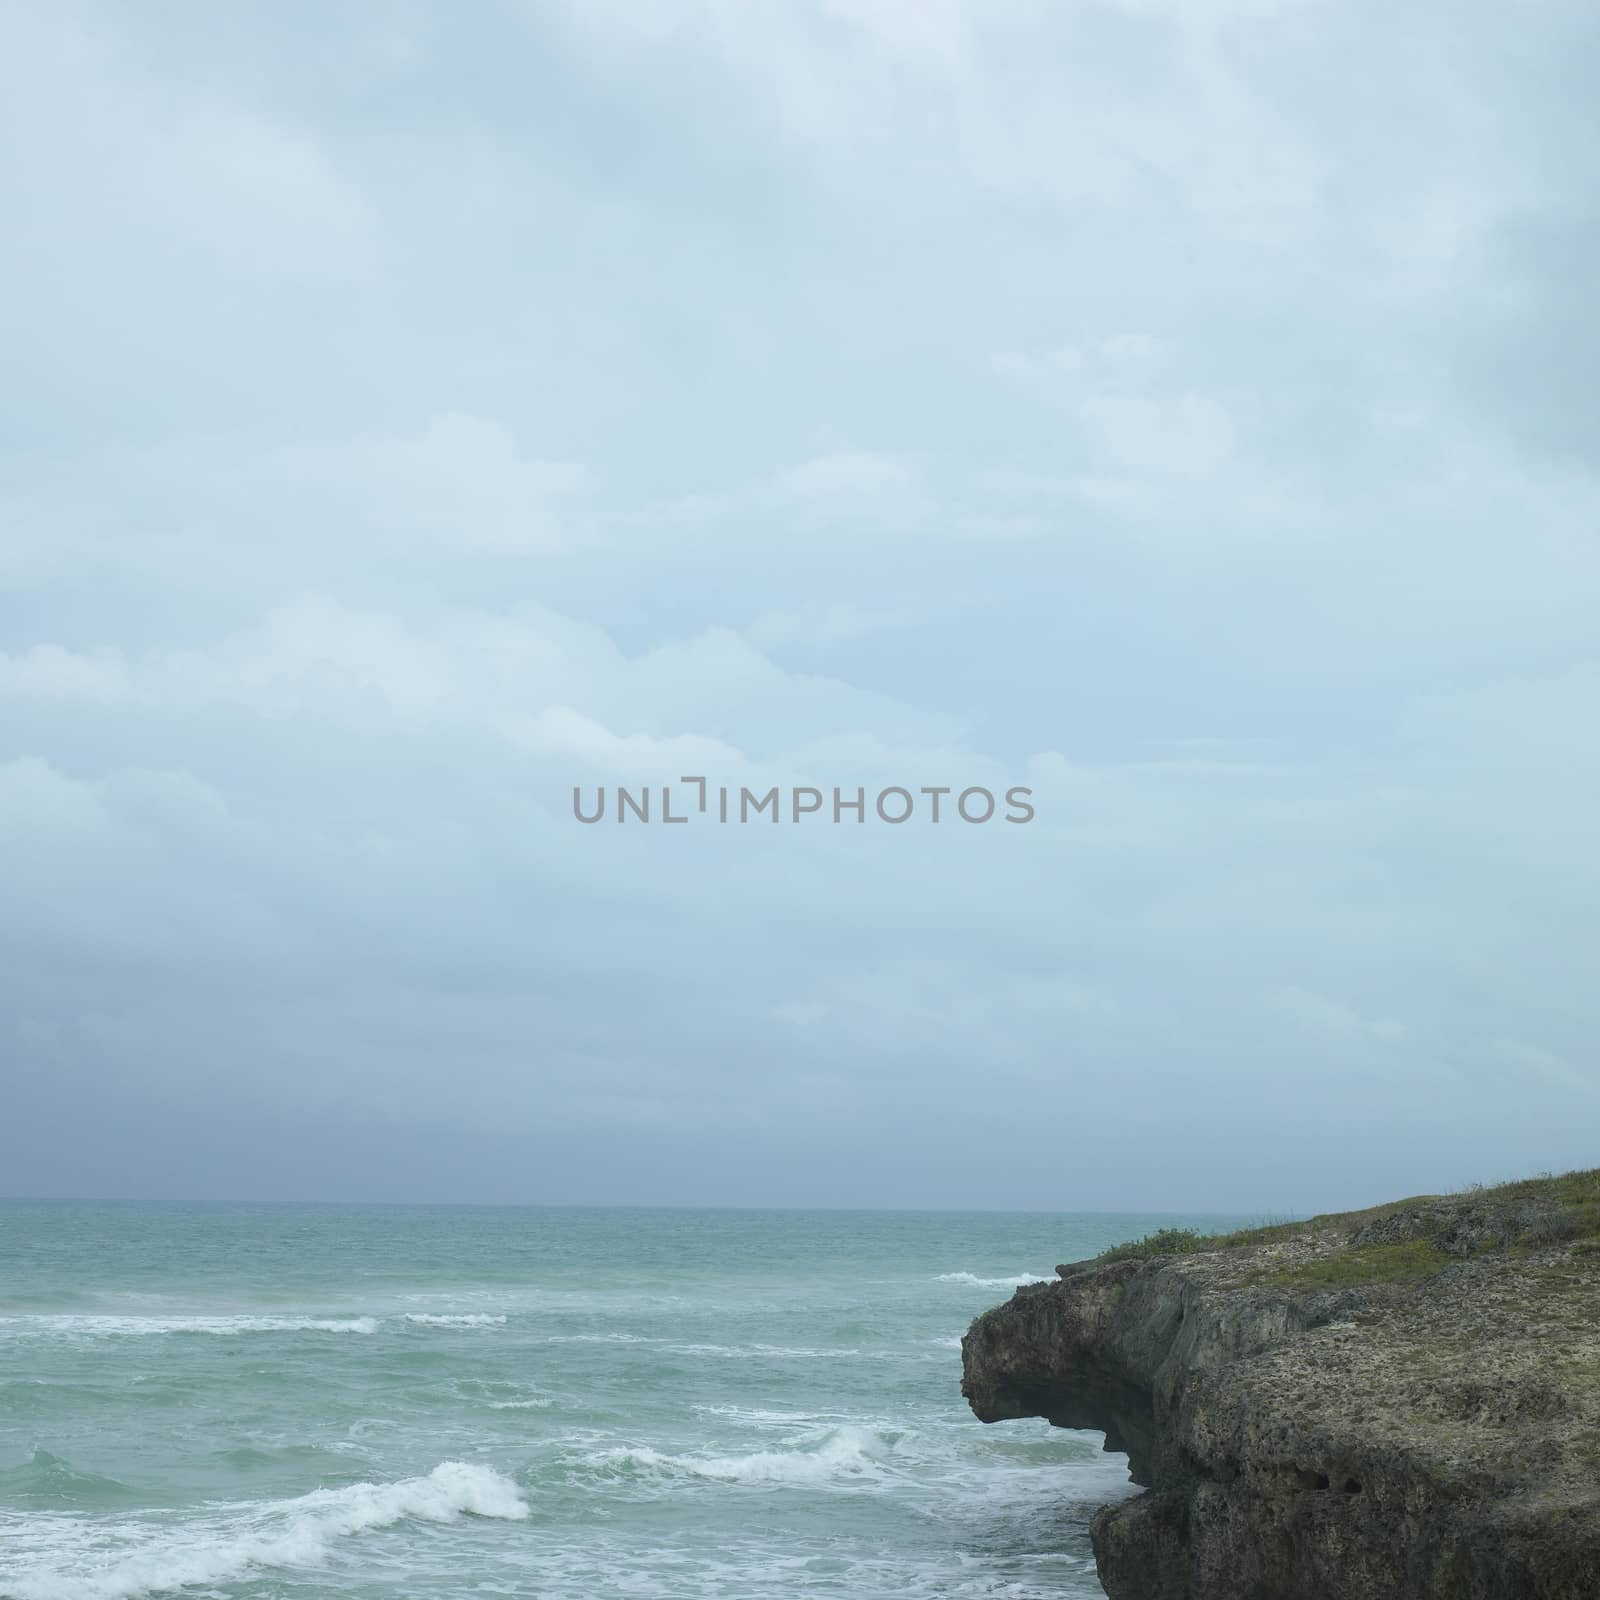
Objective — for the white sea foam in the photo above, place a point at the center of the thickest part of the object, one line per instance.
(844, 1453)
(764, 1417)
(599, 1338)
(972, 1280)
(744, 1352)
(99, 1326)
(785, 1352)
(465, 1319)
(294, 1533)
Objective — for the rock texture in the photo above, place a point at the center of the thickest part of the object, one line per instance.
(1401, 1404)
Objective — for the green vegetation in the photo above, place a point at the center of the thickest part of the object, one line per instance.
(1261, 1233)
(1186, 1241)
(1163, 1242)
(1523, 1216)
(1409, 1262)
(1575, 1198)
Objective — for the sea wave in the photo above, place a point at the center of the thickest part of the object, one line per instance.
(782, 1352)
(47, 1477)
(95, 1327)
(972, 1280)
(765, 1417)
(599, 1338)
(743, 1352)
(465, 1319)
(843, 1453)
(293, 1533)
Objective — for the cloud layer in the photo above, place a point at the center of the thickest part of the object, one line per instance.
(1181, 410)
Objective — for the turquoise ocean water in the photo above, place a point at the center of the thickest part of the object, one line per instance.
(366, 1402)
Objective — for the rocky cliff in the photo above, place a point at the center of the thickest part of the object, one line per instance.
(1398, 1404)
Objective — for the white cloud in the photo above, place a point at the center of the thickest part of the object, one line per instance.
(917, 393)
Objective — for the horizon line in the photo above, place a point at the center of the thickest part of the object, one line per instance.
(658, 1205)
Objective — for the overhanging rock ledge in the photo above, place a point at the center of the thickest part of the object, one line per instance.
(1398, 1404)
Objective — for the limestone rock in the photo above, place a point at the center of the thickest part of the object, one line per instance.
(1400, 1404)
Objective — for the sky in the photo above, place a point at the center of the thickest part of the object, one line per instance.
(1183, 409)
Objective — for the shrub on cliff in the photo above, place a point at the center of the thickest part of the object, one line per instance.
(1163, 1242)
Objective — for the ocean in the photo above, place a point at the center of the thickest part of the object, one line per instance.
(282, 1402)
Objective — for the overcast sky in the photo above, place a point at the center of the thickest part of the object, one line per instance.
(1184, 408)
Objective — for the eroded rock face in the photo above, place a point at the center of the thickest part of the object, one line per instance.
(1432, 1438)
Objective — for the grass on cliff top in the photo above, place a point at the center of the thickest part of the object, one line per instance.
(1410, 1262)
(1577, 1194)
(1572, 1188)
(1572, 1199)
(1186, 1241)
(1163, 1242)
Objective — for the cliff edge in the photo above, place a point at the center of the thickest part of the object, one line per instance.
(1394, 1404)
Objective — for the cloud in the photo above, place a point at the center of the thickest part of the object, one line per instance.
(1174, 408)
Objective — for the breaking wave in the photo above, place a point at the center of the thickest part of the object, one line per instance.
(465, 1319)
(843, 1453)
(974, 1281)
(736, 1351)
(294, 1533)
(91, 1326)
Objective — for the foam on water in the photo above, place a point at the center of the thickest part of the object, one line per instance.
(736, 1352)
(465, 1319)
(693, 1404)
(765, 1417)
(847, 1453)
(972, 1280)
(224, 1547)
(111, 1327)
